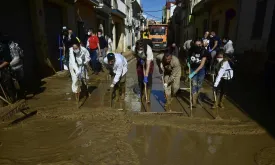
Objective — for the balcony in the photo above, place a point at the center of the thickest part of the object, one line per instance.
(104, 6)
(119, 8)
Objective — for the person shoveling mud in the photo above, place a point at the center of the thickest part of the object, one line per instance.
(79, 58)
(145, 67)
(224, 74)
(117, 65)
(170, 69)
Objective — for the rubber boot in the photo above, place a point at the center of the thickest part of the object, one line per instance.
(116, 99)
(221, 105)
(149, 95)
(195, 100)
(123, 91)
(215, 105)
(167, 106)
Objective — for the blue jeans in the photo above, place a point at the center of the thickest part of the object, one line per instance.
(94, 60)
(197, 80)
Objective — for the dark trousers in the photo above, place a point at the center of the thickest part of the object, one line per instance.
(19, 76)
(7, 85)
(94, 60)
(223, 86)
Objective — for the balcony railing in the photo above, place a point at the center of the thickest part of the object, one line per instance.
(119, 5)
(105, 2)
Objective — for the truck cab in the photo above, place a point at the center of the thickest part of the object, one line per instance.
(158, 36)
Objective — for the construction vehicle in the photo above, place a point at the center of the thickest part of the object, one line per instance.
(158, 36)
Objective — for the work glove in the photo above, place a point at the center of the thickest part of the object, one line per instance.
(215, 88)
(165, 85)
(112, 86)
(145, 80)
(188, 64)
(142, 62)
(192, 75)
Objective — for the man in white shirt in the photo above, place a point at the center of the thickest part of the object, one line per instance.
(117, 65)
(145, 66)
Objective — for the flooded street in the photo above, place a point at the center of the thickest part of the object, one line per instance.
(163, 145)
(96, 134)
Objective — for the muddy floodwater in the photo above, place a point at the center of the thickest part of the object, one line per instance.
(163, 145)
(125, 133)
(113, 138)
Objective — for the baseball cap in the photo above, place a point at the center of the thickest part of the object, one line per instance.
(110, 56)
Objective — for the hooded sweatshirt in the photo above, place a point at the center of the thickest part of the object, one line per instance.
(228, 47)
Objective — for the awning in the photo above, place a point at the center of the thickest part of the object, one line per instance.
(118, 13)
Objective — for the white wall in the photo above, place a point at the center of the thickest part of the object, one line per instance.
(172, 8)
(121, 6)
(245, 26)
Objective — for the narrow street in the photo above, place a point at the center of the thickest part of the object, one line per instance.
(97, 134)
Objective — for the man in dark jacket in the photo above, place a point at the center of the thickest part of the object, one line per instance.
(103, 45)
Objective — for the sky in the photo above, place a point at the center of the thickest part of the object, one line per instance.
(153, 5)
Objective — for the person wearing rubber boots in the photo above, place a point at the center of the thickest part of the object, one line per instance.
(145, 67)
(118, 67)
(224, 75)
(170, 69)
(196, 61)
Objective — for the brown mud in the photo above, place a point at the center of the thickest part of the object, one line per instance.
(62, 134)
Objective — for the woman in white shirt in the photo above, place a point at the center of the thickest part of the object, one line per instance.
(79, 58)
(224, 74)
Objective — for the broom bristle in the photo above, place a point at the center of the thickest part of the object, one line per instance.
(10, 110)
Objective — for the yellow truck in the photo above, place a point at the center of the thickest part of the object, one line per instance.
(158, 36)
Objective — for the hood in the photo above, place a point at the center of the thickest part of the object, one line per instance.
(230, 42)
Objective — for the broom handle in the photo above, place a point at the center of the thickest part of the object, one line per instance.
(4, 92)
(190, 97)
(145, 85)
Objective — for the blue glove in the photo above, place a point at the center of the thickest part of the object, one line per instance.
(145, 80)
(192, 75)
(141, 61)
(210, 50)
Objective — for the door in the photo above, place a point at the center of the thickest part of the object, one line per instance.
(53, 18)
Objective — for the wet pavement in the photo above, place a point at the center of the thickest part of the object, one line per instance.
(169, 146)
(96, 134)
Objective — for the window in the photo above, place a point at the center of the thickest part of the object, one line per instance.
(258, 25)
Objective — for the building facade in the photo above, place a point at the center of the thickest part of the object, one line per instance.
(36, 26)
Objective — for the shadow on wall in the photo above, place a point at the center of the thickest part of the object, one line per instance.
(253, 91)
